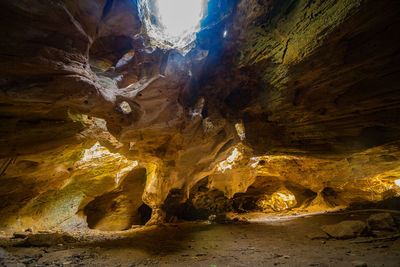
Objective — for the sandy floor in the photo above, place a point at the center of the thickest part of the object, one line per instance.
(277, 243)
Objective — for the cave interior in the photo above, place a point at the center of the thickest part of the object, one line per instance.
(199, 133)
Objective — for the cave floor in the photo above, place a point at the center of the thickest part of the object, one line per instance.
(273, 243)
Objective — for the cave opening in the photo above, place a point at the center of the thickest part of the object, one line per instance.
(172, 24)
(145, 213)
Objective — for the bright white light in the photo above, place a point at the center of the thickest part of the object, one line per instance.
(229, 162)
(225, 33)
(179, 16)
(176, 21)
(397, 182)
(125, 107)
(286, 197)
(234, 156)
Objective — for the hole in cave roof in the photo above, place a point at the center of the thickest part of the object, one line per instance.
(172, 24)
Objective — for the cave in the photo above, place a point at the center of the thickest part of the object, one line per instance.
(199, 133)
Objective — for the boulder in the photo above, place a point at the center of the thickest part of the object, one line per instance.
(346, 229)
(381, 221)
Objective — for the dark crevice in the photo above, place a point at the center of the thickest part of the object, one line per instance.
(107, 8)
(145, 213)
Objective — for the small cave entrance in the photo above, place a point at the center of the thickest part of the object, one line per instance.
(201, 204)
(103, 214)
(96, 210)
(145, 213)
(243, 203)
(121, 208)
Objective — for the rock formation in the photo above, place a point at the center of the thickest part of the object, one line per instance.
(280, 105)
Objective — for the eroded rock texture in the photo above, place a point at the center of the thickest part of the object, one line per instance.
(281, 105)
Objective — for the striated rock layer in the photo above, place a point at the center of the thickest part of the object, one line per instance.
(281, 105)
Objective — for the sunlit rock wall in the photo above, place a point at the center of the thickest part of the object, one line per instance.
(314, 85)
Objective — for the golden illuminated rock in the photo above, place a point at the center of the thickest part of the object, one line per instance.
(279, 201)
